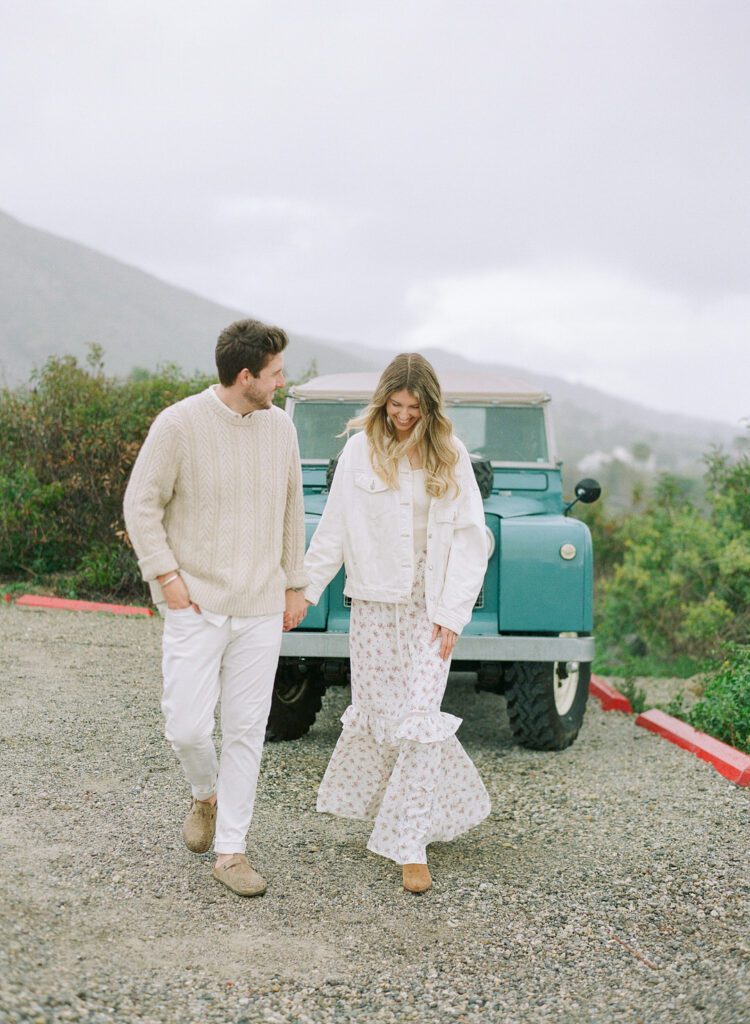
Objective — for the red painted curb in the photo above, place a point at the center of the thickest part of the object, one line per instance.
(729, 762)
(37, 601)
(610, 698)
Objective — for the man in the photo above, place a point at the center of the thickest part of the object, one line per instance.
(214, 511)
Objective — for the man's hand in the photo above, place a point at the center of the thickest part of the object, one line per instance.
(176, 593)
(448, 640)
(295, 610)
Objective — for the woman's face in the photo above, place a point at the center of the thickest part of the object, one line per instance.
(403, 411)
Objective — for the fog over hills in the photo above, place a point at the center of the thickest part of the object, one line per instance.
(56, 297)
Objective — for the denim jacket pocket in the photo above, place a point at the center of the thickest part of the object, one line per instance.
(372, 497)
(370, 482)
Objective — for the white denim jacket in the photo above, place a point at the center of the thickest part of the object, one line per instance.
(368, 527)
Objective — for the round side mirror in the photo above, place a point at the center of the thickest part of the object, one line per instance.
(588, 491)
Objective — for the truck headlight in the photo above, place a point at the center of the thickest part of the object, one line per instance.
(568, 551)
(490, 541)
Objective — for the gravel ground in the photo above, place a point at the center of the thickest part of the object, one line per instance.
(609, 884)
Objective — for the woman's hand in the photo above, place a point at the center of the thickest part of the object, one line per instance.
(448, 640)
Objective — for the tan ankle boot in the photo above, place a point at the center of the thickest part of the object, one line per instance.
(417, 878)
(199, 827)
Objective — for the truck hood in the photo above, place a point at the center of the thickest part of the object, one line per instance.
(507, 506)
(512, 506)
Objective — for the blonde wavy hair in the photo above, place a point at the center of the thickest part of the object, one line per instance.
(433, 432)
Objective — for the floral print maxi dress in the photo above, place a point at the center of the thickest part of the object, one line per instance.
(398, 762)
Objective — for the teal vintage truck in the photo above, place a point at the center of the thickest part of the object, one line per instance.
(530, 634)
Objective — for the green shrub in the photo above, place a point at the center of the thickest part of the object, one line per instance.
(683, 581)
(636, 695)
(611, 660)
(31, 540)
(607, 537)
(724, 709)
(676, 706)
(105, 572)
(69, 442)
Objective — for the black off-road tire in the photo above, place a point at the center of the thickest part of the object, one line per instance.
(534, 715)
(297, 696)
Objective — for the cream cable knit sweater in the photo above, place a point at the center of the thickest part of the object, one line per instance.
(220, 496)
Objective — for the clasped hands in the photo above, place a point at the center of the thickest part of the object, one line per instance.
(295, 609)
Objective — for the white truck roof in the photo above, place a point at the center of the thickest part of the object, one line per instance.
(482, 388)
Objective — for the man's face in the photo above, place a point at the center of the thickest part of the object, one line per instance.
(259, 391)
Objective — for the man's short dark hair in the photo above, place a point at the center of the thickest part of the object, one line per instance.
(247, 344)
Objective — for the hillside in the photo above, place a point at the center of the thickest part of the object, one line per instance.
(57, 297)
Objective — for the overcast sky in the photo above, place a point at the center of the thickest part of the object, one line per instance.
(562, 186)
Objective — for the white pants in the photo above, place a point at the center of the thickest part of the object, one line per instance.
(202, 661)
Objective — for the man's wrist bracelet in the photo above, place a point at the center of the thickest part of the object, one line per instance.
(170, 579)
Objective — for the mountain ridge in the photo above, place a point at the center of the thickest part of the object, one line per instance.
(57, 296)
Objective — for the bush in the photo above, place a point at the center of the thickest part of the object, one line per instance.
(69, 442)
(683, 582)
(724, 709)
(30, 537)
(105, 572)
(636, 695)
(607, 537)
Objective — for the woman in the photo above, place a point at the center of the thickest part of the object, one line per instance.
(405, 517)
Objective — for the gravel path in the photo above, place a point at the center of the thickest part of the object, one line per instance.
(609, 884)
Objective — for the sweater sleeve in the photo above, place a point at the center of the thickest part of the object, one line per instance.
(325, 556)
(149, 490)
(467, 560)
(293, 548)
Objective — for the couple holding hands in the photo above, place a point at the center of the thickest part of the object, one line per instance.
(214, 510)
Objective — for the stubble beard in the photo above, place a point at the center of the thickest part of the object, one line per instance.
(257, 401)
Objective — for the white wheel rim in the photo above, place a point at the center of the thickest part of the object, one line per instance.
(565, 689)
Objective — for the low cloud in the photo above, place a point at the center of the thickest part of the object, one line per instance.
(656, 347)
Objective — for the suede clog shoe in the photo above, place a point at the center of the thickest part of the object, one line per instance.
(240, 876)
(417, 878)
(199, 827)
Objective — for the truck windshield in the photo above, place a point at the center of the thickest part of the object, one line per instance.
(319, 424)
(500, 433)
